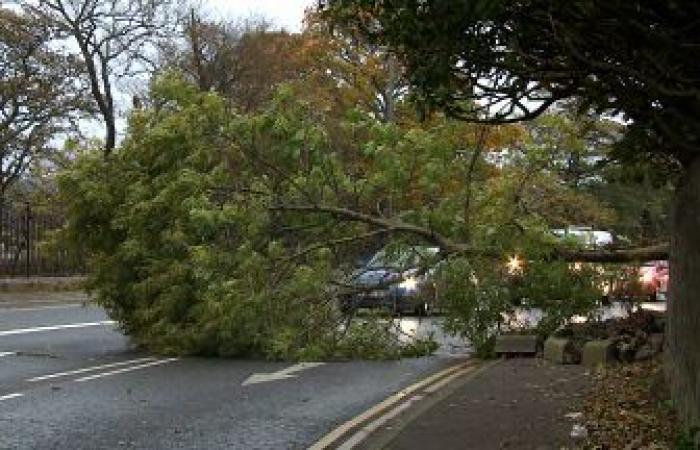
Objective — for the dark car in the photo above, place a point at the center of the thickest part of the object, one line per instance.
(395, 280)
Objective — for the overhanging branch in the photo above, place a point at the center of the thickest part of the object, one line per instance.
(652, 253)
(449, 247)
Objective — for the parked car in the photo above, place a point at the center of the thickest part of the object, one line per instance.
(395, 280)
(587, 236)
(653, 277)
(648, 282)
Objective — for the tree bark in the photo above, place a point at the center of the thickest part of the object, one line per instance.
(683, 322)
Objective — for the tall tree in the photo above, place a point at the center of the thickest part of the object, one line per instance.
(504, 61)
(40, 92)
(358, 72)
(244, 61)
(112, 37)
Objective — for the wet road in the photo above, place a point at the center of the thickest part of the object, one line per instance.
(69, 379)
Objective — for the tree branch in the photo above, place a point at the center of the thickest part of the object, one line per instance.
(449, 247)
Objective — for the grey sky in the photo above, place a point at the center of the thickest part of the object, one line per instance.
(284, 13)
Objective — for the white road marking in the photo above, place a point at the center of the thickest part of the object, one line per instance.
(6, 354)
(128, 369)
(89, 369)
(281, 374)
(55, 327)
(373, 426)
(10, 396)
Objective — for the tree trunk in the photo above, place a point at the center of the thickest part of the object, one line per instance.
(683, 326)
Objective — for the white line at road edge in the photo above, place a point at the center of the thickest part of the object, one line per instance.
(128, 369)
(10, 396)
(55, 327)
(89, 369)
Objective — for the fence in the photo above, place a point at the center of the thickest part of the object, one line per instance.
(24, 230)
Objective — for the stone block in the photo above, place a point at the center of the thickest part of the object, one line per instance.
(599, 353)
(643, 353)
(659, 319)
(560, 351)
(656, 340)
(512, 344)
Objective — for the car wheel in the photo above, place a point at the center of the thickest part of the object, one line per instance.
(426, 309)
(423, 310)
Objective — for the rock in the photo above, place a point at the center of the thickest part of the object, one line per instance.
(626, 351)
(659, 319)
(511, 344)
(599, 353)
(561, 351)
(643, 353)
(579, 431)
(656, 340)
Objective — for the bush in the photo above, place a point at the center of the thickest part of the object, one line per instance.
(480, 297)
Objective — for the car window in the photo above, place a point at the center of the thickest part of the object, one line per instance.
(408, 258)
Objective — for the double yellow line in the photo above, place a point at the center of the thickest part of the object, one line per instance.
(381, 412)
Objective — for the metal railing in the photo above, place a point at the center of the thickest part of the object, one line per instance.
(24, 243)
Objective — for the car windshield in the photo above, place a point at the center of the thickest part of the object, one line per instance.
(403, 259)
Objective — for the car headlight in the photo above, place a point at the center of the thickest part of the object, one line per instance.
(409, 284)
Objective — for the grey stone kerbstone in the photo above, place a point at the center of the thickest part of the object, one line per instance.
(599, 353)
(525, 344)
(559, 350)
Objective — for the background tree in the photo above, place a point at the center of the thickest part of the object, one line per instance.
(501, 61)
(112, 36)
(243, 61)
(354, 71)
(40, 93)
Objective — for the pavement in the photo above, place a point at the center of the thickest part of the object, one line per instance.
(70, 379)
(520, 403)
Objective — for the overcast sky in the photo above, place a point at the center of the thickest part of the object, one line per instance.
(287, 14)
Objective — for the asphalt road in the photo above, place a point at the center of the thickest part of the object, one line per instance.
(69, 379)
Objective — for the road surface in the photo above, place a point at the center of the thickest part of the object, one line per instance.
(69, 379)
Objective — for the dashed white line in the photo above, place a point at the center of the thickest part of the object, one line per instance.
(6, 354)
(128, 369)
(10, 396)
(89, 369)
(55, 327)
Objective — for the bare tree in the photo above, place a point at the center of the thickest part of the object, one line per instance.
(242, 60)
(114, 38)
(39, 94)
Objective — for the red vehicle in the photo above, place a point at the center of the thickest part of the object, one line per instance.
(647, 282)
(653, 276)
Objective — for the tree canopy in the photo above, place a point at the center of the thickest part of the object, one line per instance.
(501, 61)
(40, 93)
